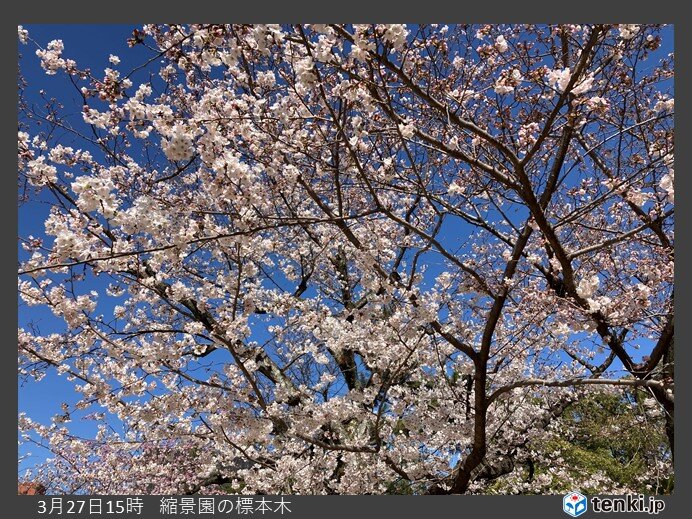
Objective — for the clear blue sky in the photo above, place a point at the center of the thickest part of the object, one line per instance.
(90, 46)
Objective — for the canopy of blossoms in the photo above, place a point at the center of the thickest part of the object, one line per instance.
(348, 258)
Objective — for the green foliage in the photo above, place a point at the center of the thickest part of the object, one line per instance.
(228, 488)
(612, 436)
(619, 437)
(399, 487)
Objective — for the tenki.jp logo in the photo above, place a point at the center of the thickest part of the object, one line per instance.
(574, 504)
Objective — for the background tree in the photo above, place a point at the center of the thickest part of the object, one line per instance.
(608, 442)
(353, 259)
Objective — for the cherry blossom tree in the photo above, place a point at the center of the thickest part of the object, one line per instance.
(350, 258)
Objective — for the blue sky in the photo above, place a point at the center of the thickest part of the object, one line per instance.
(90, 46)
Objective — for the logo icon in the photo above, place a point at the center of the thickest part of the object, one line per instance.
(574, 504)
